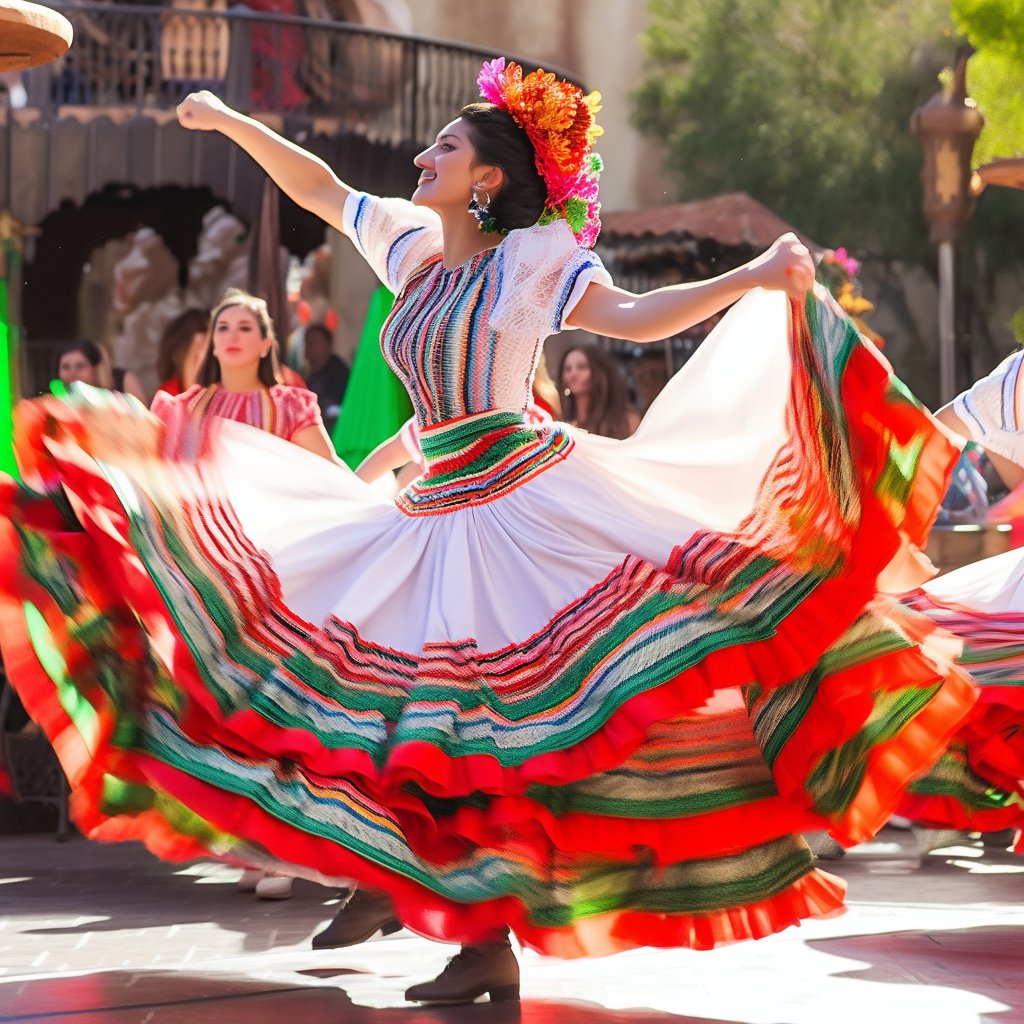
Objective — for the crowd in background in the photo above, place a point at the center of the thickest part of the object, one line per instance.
(589, 390)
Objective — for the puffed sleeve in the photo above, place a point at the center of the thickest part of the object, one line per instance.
(392, 235)
(163, 406)
(174, 411)
(544, 273)
(993, 409)
(297, 408)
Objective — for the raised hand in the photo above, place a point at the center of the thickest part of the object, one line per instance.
(202, 111)
(787, 266)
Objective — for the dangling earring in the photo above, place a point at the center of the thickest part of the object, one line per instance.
(482, 211)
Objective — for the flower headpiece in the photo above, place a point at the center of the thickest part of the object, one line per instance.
(559, 121)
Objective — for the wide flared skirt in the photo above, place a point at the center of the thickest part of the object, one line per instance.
(978, 783)
(594, 695)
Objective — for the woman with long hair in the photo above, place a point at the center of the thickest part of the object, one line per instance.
(182, 348)
(594, 393)
(585, 689)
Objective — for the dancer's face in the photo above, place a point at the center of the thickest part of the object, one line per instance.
(236, 339)
(576, 373)
(449, 169)
(73, 367)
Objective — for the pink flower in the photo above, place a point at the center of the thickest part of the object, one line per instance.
(848, 263)
(491, 79)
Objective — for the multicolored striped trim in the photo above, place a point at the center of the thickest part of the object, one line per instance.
(979, 782)
(474, 459)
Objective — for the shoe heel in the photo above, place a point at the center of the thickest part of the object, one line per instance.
(391, 927)
(505, 994)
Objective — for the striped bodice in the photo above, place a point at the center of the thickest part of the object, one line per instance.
(442, 341)
(474, 459)
(465, 342)
(279, 410)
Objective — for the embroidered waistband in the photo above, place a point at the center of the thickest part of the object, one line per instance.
(477, 458)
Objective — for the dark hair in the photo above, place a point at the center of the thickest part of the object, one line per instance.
(269, 370)
(608, 400)
(177, 337)
(498, 140)
(322, 329)
(89, 349)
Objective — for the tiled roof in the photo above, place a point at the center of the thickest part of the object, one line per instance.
(731, 219)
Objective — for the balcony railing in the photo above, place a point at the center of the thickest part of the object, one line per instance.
(391, 88)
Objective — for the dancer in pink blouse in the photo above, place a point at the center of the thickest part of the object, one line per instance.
(238, 381)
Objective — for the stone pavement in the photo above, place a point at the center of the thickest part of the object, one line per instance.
(93, 934)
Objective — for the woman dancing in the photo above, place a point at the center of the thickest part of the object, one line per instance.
(979, 782)
(584, 689)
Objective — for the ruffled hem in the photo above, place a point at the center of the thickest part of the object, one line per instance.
(948, 811)
(814, 894)
(979, 783)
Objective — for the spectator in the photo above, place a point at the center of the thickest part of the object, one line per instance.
(84, 362)
(594, 393)
(326, 373)
(182, 348)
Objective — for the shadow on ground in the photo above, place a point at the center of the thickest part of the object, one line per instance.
(164, 997)
(987, 961)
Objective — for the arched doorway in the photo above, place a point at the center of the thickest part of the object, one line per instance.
(125, 261)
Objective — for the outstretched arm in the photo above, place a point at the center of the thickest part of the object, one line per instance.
(615, 313)
(298, 173)
(1011, 474)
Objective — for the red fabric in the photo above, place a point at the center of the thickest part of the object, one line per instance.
(172, 386)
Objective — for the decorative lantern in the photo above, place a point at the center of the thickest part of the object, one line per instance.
(948, 125)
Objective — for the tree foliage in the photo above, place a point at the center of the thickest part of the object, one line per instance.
(804, 104)
(996, 29)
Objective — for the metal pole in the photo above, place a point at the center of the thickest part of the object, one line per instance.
(947, 334)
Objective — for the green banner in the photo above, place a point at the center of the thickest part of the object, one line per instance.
(8, 353)
(375, 405)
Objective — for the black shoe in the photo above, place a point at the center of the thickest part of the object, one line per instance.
(363, 914)
(489, 967)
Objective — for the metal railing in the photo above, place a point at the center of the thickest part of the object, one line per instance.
(391, 88)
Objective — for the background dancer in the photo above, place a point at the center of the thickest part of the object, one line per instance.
(979, 783)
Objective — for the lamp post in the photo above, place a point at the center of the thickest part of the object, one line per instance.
(947, 126)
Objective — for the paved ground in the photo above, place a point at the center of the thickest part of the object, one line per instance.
(95, 934)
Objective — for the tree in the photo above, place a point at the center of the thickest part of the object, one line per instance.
(996, 29)
(803, 104)
(993, 256)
